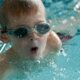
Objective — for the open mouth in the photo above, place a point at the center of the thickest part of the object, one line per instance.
(34, 49)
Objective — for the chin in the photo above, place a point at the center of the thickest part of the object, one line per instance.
(34, 53)
(36, 56)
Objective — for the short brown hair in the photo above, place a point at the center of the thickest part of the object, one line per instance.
(16, 8)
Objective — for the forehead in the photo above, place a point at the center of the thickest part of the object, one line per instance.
(31, 19)
(26, 19)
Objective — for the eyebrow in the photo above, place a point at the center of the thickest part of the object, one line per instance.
(39, 22)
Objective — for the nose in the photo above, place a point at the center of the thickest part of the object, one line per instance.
(34, 36)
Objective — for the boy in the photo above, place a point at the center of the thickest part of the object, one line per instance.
(24, 25)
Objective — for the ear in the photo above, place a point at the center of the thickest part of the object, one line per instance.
(3, 34)
(4, 37)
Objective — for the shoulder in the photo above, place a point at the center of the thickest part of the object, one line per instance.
(54, 41)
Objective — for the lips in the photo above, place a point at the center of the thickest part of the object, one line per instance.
(34, 49)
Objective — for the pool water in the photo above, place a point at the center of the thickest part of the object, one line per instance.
(64, 65)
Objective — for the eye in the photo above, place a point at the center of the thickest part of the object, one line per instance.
(20, 32)
(42, 28)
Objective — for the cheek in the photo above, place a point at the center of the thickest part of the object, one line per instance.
(19, 44)
(43, 39)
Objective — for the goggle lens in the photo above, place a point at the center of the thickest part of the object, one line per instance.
(23, 31)
(42, 28)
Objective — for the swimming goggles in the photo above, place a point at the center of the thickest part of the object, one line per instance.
(24, 30)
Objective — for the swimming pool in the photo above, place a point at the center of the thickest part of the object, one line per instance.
(62, 66)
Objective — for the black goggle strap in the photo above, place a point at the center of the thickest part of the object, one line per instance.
(39, 28)
(3, 29)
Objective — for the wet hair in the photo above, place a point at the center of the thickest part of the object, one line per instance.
(17, 8)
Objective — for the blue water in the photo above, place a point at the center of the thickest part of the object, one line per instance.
(62, 66)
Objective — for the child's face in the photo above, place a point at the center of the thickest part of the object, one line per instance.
(32, 45)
